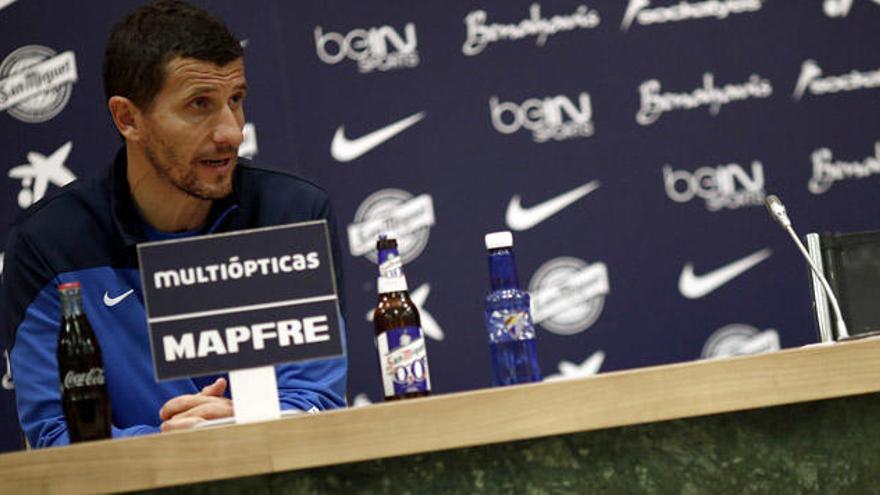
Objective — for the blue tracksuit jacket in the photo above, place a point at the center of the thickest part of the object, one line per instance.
(87, 233)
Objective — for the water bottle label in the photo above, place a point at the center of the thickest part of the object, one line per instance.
(513, 325)
(404, 361)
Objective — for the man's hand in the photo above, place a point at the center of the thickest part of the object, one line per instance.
(185, 411)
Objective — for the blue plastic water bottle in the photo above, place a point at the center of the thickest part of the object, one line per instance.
(508, 317)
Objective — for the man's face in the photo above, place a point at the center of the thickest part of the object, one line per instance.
(194, 127)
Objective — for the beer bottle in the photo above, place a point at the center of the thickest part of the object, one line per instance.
(84, 396)
(508, 317)
(403, 359)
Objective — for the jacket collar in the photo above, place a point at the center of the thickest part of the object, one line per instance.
(129, 222)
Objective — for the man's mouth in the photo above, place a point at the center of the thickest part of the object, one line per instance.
(216, 163)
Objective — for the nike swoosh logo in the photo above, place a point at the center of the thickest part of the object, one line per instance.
(694, 286)
(519, 218)
(345, 150)
(113, 301)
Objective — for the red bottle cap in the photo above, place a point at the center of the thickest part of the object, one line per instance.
(69, 285)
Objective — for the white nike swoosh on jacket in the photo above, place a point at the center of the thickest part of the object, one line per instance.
(345, 150)
(694, 286)
(113, 301)
(519, 218)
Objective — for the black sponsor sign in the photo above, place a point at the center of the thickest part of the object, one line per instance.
(240, 299)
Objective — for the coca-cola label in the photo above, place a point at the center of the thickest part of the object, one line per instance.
(91, 378)
(404, 361)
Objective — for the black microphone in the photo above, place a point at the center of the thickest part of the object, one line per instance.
(777, 211)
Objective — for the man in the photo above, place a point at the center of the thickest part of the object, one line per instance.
(175, 83)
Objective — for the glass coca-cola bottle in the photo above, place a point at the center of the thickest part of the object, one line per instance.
(84, 396)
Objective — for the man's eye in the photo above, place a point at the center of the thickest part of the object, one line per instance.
(199, 103)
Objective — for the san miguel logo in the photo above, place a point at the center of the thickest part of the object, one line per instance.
(36, 83)
(568, 294)
(643, 13)
(394, 212)
(739, 339)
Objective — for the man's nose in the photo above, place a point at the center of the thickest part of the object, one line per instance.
(229, 128)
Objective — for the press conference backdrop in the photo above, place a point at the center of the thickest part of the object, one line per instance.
(627, 144)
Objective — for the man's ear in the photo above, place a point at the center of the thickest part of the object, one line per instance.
(127, 117)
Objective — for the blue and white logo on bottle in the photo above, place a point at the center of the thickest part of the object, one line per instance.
(404, 361)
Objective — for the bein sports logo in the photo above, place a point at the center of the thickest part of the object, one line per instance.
(839, 8)
(639, 11)
(826, 171)
(480, 34)
(36, 83)
(39, 172)
(376, 48)
(740, 340)
(394, 212)
(811, 79)
(724, 186)
(568, 294)
(551, 117)
(654, 103)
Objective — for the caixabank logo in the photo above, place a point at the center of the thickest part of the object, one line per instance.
(481, 32)
(568, 294)
(726, 186)
(655, 102)
(556, 118)
(36, 83)
(813, 80)
(393, 212)
(570, 371)
(381, 48)
(39, 172)
(646, 13)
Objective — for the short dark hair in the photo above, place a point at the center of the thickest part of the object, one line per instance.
(144, 41)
